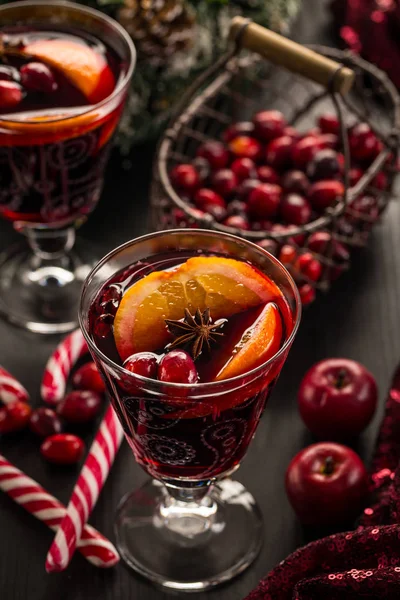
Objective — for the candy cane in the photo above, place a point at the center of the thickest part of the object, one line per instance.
(86, 491)
(26, 492)
(59, 366)
(11, 389)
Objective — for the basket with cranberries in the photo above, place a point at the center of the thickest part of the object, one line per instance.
(284, 189)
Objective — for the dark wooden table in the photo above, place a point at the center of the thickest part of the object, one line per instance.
(359, 319)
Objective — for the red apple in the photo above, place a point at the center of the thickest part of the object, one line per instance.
(337, 398)
(326, 484)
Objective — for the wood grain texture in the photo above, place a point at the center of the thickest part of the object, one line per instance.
(359, 319)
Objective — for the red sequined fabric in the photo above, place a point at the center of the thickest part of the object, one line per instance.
(364, 563)
(372, 28)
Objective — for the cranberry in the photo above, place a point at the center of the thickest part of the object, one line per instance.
(380, 181)
(180, 219)
(323, 194)
(246, 187)
(103, 325)
(330, 140)
(263, 225)
(295, 209)
(270, 246)
(224, 182)
(307, 293)
(324, 165)
(237, 222)
(236, 207)
(202, 167)
(244, 146)
(243, 168)
(269, 124)
(279, 151)
(10, 94)
(291, 132)
(9, 73)
(295, 182)
(89, 378)
(267, 174)
(287, 254)
(329, 124)
(177, 366)
(313, 132)
(263, 201)
(63, 449)
(355, 175)
(363, 142)
(320, 241)
(305, 149)
(215, 153)
(44, 422)
(14, 416)
(37, 77)
(185, 177)
(241, 128)
(142, 363)
(217, 212)
(80, 406)
(309, 266)
(364, 208)
(206, 197)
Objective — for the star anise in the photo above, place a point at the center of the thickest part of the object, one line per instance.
(197, 330)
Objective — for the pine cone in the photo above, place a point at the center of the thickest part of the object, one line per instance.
(159, 28)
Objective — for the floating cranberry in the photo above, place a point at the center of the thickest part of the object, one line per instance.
(269, 124)
(88, 377)
(355, 175)
(9, 73)
(143, 363)
(243, 168)
(38, 77)
(323, 194)
(185, 177)
(224, 182)
(305, 149)
(246, 187)
(63, 449)
(295, 209)
(44, 422)
(103, 325)
(177, 366)
(215, 153)
(324, 165)
(363, 142)
(287, 254)
(365, 209)
(263, 201)
(329, 124)
(80, 406)
(237, 222)
(267, 174)
(241, 128)
(291, 132)
(14, 416)
(380, 181)
(110, 299)
(295, 182)
(244, 146)
(307, 293)
(206, 197)
(270, 246)
(10, 94)
(279, 151)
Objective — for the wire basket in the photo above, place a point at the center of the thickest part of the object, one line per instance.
(302, 82)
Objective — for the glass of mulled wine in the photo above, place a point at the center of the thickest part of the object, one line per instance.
(190, 330)
(64, 75)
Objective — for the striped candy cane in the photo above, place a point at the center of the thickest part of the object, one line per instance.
(11, 389)
(86, 491)
(59, 366)
(26, 492)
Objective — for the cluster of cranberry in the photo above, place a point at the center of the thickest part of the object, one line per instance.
(78, 407)
(266, 176)
(16, 83)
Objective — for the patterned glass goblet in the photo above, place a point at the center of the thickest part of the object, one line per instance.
(54, 149)
(191, 527)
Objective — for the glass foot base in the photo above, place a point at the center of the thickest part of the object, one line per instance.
(170, 556)
(40, 294)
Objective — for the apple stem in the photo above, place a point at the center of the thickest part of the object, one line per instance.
(341, 379)
(328, 466)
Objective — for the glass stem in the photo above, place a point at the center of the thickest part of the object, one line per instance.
(50, 244)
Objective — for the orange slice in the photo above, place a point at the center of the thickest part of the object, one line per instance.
(225, 285)
(258, 344)
(86, 69)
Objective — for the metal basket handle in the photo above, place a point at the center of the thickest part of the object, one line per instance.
(294, 57)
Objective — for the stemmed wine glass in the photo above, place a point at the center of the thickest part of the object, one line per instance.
(54, 149)
(191, 527)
